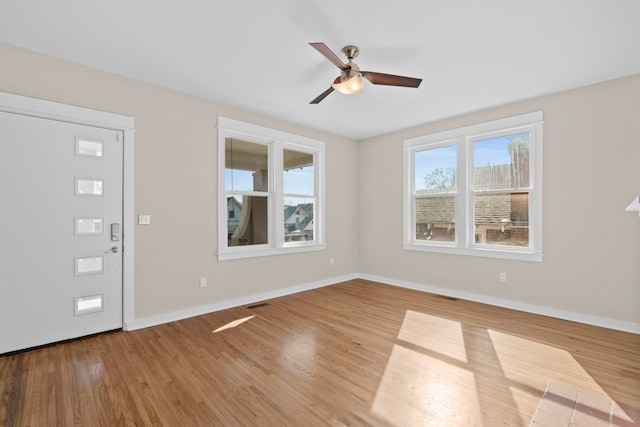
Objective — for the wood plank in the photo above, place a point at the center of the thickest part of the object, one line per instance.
(357, 353)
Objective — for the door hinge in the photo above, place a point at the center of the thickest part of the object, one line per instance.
(119, 136)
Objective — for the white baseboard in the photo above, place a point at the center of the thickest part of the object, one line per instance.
(603, 322)
(498, 302)
(237, 302)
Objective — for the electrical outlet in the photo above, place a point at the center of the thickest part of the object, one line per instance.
(503, 277)
(203, 282)
(332, 261)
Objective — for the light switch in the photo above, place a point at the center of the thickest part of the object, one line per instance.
(144, 219)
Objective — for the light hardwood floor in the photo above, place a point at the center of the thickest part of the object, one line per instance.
(357, 353)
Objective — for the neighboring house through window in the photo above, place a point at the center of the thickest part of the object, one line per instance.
(476, 190)
(271, 191)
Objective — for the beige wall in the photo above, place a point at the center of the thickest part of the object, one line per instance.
(176, 183)
(591, 173)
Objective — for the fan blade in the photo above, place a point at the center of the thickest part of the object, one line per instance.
(324, 50)
(322, 96)
(391, 79)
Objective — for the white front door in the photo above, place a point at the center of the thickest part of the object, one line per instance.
(61, 187)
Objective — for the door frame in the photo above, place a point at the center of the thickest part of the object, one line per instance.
(17, 104)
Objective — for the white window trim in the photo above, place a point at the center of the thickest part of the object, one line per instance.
(277, 141)
(464, 138)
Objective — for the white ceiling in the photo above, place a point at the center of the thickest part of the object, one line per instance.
(254, 54)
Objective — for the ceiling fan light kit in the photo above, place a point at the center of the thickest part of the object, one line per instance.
(350, 81)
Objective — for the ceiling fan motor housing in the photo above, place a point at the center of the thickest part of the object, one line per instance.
(350, 72)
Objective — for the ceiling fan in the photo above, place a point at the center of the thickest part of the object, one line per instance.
(350, 79)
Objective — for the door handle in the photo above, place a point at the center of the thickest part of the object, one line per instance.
(114, 250)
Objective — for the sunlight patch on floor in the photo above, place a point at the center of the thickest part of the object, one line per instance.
(414, 384)
(447, 341)
(517, 356)
(444, 372)
(234, 323)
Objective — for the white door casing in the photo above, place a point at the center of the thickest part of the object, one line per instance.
(63, 272)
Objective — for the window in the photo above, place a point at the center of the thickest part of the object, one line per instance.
(271, 187)
(476, 190)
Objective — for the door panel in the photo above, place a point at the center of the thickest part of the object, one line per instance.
(61, 270)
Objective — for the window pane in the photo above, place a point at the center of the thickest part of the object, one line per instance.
(91, 148)
(435, 170)
(89, 304)
(298, 219)
(247, 222)
(502, 219)
(89, 226)
(89, 265)
(502, 163)
(246, 166)
(298, 174)
(89, 187)
(435, 219)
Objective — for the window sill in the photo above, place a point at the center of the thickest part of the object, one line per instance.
(248, 252)
(479, 252)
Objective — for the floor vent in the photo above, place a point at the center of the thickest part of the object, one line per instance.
(260, 304)
(447, 298)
